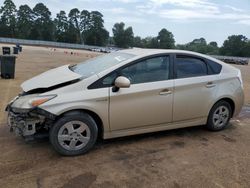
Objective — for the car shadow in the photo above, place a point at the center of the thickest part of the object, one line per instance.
(189, 132)
(199, 132)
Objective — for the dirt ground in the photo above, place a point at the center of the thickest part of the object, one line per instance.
(191, 157)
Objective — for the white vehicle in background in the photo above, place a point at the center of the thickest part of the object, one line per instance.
(96, 49)
(126, 93)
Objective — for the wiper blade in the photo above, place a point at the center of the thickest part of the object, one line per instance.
(71, 67)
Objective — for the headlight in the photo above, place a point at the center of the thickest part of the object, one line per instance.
(40, 100)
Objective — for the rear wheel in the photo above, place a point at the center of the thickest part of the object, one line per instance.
(219, 116)
(74, 134)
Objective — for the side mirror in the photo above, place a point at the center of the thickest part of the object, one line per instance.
(121, 82)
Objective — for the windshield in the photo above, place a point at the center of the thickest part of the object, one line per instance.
(100, 63)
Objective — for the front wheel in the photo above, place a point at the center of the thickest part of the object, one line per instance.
(74, 134)
(219, 116)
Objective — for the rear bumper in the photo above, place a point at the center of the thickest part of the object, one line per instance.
(239, 102)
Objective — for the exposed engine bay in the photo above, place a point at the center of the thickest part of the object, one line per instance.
(29, 123)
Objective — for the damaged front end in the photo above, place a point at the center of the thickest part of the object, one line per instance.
(26, 117)
(29, 123)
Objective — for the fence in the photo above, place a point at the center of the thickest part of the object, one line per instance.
(227, 59)
(48, 43)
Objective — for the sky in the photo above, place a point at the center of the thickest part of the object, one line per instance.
(214, 20)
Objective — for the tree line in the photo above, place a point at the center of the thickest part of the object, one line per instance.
(37, 24)
(87, 27)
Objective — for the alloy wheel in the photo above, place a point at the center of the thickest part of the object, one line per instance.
(74, 135)
(220, 116)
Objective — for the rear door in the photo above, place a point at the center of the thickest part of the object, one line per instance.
(194, 88)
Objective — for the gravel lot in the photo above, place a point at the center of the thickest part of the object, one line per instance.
(191, 157)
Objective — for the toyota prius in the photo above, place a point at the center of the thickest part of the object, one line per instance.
(123, 93)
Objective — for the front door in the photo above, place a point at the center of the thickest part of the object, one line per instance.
(148, 101)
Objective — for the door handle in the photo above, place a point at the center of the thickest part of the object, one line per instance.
(210, 85)
(165, 92)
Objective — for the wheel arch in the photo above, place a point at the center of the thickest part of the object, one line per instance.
(229, 100)
(93, 114)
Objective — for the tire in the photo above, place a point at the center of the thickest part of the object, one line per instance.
(219, 116)
(73, 134)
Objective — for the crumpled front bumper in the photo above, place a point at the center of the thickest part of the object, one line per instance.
(26, 122)
(22, 124)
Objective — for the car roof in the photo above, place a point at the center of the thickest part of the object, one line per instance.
(143, 51)
(140, 52)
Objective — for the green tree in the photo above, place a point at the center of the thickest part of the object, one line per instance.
(95, 33)
(25, 19)
(123, 37)
(85, 19)
(214, 44)
(150, 42)
(212, 48)
(200, 45)
(166, 39)
(8, 19)
(200, 41)
(154, 43)
(43, 26)
(246, 49)
(61, 27)
(234, 46)
(75, 19)
(138, 42)
(181, 46)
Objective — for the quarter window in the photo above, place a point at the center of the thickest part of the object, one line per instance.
(149, 70)
(190, 67)
(213, 67)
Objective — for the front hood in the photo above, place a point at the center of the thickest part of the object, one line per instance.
(50, 78)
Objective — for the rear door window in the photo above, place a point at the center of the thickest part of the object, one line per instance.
(187, 67)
